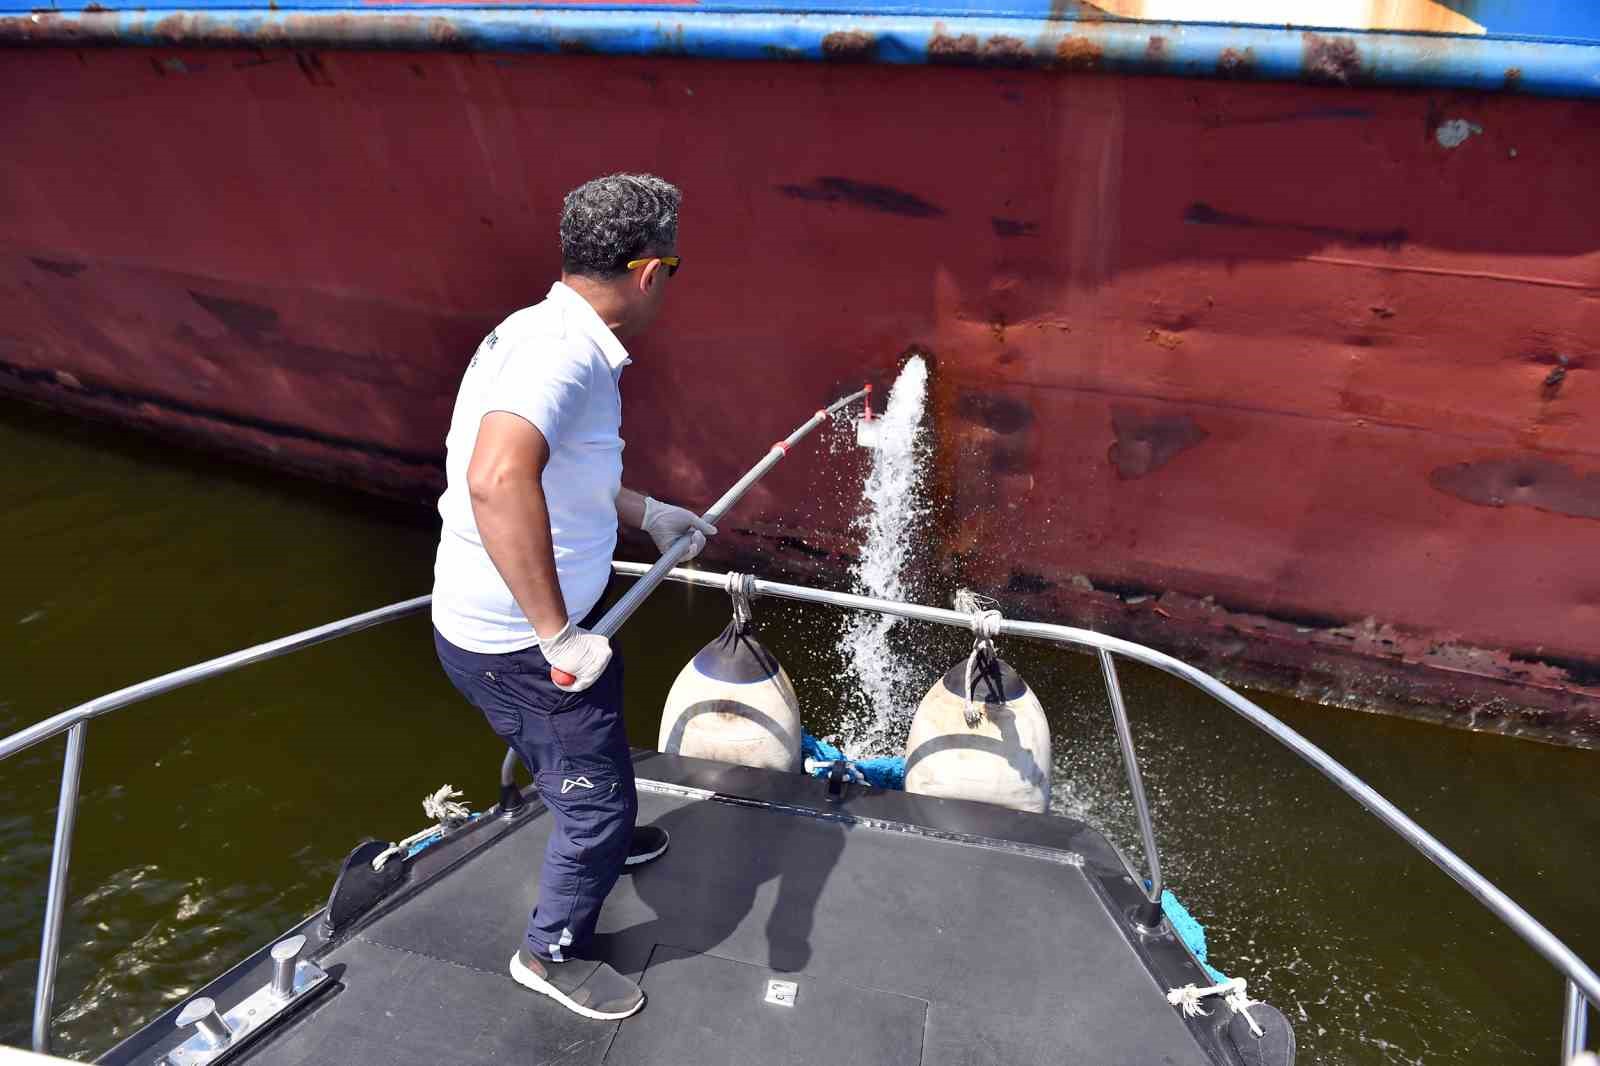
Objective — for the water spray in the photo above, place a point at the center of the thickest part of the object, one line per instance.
(894, 508)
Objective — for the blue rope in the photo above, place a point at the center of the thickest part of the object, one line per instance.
(429, 841)
(1191, 932)
(816, 748)
(886, 772)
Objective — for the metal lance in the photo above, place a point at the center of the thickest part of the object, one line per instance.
(623, 609)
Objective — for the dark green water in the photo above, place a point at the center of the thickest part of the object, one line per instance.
(214, 817)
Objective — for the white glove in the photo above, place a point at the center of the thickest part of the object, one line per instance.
(666, 523)
(579, 654)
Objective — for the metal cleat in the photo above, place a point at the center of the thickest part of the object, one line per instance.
(217, 1035)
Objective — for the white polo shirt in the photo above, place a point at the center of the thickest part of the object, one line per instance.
(557, 365)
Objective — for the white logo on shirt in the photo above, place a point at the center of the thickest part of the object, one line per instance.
(570, 783)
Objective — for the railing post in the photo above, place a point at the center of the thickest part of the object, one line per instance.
(1574, 1024)
(1149, 915)
(55, 906)
(511, 801)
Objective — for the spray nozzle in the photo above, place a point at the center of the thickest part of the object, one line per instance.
(867, 426)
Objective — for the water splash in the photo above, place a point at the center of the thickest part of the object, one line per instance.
(894, 511)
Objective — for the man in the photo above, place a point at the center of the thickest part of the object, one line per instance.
(532, 500)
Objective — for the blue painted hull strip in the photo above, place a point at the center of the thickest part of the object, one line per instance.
(1136, 48)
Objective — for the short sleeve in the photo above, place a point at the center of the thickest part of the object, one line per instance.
(543, 381)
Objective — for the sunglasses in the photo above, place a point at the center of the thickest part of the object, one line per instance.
(672, 262)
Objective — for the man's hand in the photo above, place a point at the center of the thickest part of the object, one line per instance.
(666, 523)
(577, 657)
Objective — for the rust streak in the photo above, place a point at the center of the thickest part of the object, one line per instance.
(50, 26)
(1332, 60)
(967, 50)
(944, 48)
(305, 31)
(850, 46)
(1003, 51)
(1078, 52)
(1236, 63)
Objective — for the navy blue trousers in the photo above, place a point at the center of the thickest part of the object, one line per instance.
(577, 749)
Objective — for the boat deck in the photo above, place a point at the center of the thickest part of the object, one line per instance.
(917, 931)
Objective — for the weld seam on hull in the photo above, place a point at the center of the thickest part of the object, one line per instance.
(1453, 272)
(1502, 440)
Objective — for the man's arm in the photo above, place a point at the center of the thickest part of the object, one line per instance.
(630, 508)
(503, 481)
(664, 522)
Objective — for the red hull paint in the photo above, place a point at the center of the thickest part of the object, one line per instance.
(1271, 344)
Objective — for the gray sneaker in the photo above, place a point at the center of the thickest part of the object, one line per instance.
(649, 842)
(583, 986)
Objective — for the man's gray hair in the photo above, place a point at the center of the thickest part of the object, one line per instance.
(608, 221)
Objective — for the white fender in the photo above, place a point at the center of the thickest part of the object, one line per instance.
(1004, 759)
(733, 703)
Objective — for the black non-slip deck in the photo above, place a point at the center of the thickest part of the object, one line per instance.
(907, 947)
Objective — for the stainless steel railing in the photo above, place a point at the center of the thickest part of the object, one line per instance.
(1582, 983)
(75, 723)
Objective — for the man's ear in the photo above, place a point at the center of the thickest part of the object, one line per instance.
(647, 275)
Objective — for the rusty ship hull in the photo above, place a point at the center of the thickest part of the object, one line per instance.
(1291, 375)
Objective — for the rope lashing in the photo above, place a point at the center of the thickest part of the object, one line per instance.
(441, 805)
(985, 627)
(1187, 999)
(1239, 1003)
(741, 590)
(1193, 935)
